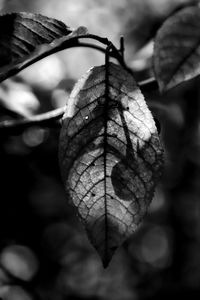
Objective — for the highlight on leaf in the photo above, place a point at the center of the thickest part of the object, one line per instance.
(177, 48)
(26, 38)
(110, 156)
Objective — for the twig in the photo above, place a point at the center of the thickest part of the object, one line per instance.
(148, 85)
(51, 119)
(122, 46)
(48, 119)
(115, 53)
(62, 45)
(92, 46)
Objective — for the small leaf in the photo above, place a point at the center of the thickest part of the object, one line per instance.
(110, 156)
(22, 33)
(26, 38)
(177, 49)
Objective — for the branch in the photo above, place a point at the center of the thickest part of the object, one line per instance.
(92, 46)
(60, 46)
(115, 53)
(51, 119)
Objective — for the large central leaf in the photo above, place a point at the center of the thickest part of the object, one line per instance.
(110, 156)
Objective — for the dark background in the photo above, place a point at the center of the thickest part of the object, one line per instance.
(44, 252)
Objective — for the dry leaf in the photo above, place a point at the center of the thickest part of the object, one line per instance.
(110, 156)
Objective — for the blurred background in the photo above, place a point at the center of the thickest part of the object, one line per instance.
(44, 252)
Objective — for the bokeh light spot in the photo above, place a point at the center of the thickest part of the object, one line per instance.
(19, 261)
(155, 247)
(34, 136)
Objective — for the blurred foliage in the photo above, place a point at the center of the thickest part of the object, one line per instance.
(44, 251)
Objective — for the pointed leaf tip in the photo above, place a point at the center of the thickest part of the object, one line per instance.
(110, 156)
(105, 262)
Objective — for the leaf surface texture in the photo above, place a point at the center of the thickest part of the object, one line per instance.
(177, 48)
(110, 156)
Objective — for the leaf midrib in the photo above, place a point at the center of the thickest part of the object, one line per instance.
(105, 158)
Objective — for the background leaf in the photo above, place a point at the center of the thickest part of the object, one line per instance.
(22, 33)
(26, 38)
(144, 18)
(177, 48)
(110, 156)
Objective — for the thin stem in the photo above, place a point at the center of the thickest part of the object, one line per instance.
(92, 46)
(50, 119)
(96, 47)
(149, 85)
(114, 52)
(107, 58)
(95, 37)
(59, 45)
(122, 46)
